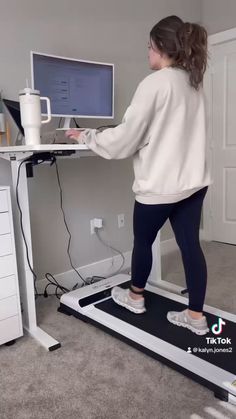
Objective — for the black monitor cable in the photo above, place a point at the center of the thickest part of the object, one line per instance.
(67, 228)
(22, 228)
(47, 275)
(52, 281)
(76, 124)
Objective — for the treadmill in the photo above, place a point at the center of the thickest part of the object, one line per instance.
(210, 359)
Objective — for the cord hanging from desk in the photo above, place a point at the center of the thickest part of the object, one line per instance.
(22, 227)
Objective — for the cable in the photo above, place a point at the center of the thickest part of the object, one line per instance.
(22, 228)
(77, 126)
(55, 283)
(48, 276)
(112, 248)
(67, 228)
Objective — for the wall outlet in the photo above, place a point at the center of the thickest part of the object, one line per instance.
(121, 220)
(95, 223)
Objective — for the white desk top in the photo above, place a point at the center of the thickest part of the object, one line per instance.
(43, 147)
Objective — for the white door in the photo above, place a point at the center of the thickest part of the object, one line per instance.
(223, 136)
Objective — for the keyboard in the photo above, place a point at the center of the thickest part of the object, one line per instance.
(66, 129)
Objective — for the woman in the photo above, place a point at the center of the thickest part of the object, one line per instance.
(164, 128)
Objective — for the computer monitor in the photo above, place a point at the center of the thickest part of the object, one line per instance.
(76, 88)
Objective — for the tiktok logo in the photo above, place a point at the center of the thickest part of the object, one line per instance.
(217, 327)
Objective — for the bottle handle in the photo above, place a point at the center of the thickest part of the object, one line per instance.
(49, 116)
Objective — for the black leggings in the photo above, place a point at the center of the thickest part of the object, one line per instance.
(185, 219)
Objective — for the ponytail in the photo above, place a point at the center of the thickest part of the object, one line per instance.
(192, 56)
(185, 43)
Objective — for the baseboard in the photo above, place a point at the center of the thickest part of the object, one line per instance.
(104, 267)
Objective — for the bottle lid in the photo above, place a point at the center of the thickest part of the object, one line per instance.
(29, 91)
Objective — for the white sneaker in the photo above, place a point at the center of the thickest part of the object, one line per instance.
(182, 318)
(121, 297)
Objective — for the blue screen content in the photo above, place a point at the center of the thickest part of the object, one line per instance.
(74, 88)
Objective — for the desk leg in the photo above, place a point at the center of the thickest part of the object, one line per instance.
(26, 279)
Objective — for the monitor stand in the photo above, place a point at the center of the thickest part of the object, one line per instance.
(67, 123)
(66, 126)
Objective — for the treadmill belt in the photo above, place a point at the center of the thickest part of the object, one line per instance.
(154, 321)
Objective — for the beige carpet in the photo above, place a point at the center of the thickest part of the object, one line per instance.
(95, 376)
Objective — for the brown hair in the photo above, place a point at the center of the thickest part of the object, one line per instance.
(186, 43)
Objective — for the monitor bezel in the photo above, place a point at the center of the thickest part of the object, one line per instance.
(32, 53)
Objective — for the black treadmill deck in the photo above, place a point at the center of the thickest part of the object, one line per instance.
(154, 321)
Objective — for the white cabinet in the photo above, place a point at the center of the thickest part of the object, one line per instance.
(10, 310)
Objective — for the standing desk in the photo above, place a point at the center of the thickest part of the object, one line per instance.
(15, 155)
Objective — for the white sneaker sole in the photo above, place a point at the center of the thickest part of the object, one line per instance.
(130, 308)
(188, 326)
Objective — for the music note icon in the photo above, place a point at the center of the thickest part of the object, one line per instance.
(218, 327)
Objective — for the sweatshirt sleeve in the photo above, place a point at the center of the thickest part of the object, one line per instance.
(129, 136)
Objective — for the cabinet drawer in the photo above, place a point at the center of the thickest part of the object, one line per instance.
(3, 201)
(8, 307)
(5, 226)
(7, 265)
(10, 329)
(7, 287)
(5, 245)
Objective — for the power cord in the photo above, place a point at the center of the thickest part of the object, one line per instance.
(48, 276)
(51, 279)
(63, 289)
(22, 228)
(66, 225)
(76, 124)
(112, 248)
(37, 159)
(88, 280)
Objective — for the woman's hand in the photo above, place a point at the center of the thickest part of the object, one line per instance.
(74, 134)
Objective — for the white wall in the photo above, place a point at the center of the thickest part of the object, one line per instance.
(218, 15)
(105, 30)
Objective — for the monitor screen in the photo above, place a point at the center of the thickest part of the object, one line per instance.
(75, 88)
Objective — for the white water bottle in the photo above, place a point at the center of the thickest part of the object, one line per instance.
(30, 112)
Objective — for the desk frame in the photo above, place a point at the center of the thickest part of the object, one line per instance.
(15, 155)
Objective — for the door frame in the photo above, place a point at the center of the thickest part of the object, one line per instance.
(215, 39)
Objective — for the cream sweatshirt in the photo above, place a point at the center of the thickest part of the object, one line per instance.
(164, 129)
